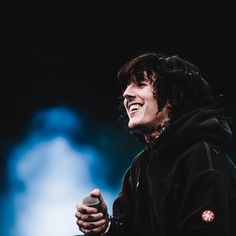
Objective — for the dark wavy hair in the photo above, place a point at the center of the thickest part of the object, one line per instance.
(177, 81)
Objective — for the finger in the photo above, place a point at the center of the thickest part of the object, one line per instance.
(77, 215)
(92, 225)
(90, 217)
(94, 230)
(83, 209)
(97, 193)
(80, 224)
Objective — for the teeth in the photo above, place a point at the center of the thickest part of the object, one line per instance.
(134, 107)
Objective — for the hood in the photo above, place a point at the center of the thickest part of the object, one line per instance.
(207, 125)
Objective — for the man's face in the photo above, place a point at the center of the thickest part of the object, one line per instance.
(141, 106)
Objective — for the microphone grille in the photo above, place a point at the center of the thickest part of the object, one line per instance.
(91, 201)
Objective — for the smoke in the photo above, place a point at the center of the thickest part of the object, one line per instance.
(49, 174)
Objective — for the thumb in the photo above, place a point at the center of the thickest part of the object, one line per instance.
(97, 193)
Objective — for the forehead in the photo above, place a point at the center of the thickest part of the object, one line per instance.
(137, 76)
(142, 76)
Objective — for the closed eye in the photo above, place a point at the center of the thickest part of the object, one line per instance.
(142, 84)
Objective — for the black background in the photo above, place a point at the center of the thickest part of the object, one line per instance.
(69, 56)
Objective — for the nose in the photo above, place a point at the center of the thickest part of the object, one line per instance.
(129, 92)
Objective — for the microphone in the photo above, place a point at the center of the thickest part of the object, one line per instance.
(91, 202)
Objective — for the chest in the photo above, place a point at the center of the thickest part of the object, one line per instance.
(159, 184)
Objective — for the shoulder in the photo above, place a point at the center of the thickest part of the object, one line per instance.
(135, 164)
(204, 153)
(138, 158)
(203, 157)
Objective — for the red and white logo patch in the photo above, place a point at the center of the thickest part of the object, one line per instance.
(208, 215)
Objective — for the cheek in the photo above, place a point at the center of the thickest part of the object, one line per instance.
(152, 107)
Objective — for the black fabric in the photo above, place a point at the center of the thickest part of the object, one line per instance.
(174, 180)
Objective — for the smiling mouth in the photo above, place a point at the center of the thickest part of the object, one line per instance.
(134, 107)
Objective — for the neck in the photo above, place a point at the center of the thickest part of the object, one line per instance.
(153, 135)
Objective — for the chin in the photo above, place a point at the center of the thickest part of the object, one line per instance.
(138, 127)
(133, 124)
(141, 126)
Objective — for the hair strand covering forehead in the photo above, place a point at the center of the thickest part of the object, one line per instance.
(134, 69)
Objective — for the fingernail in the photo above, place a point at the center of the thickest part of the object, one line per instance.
(84, 211)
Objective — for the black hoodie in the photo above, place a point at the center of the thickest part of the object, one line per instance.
(182, 184)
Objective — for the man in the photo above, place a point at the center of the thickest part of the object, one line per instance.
(182, 183)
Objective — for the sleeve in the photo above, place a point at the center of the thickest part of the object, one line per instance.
(204, 209)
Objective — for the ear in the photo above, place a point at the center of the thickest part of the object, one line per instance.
(167, 109)
(168, 106)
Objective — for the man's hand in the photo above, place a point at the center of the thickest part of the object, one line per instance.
(91, 220)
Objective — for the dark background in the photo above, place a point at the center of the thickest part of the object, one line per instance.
(70, 57)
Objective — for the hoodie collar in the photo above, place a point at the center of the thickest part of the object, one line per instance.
(199, 125)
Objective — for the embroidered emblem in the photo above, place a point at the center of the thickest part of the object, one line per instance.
(208, 216)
